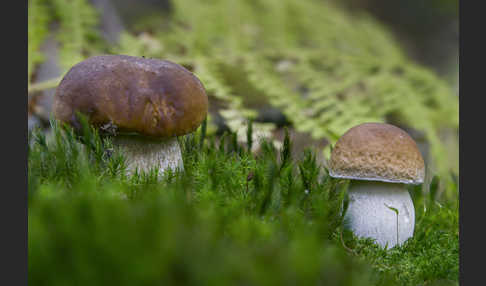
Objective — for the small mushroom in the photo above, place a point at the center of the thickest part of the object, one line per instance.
(144, 103)
(380, 160)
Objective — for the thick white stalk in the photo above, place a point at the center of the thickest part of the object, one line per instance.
(147, 153)
(370, 212)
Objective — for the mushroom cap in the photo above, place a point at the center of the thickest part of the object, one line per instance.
(147, 96)
(377, 152)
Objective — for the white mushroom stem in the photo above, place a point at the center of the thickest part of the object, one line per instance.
(146, 154)
(370, 212)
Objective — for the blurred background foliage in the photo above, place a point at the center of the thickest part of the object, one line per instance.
(318, 67)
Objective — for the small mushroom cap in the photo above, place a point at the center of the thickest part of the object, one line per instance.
(377, 152)
(146, 96)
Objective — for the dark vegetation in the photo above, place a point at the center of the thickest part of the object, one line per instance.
(231, 217)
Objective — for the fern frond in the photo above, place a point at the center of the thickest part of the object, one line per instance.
(325, 69)
(38, 20)
(78, 35)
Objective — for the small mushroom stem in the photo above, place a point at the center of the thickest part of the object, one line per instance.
(370, 212)
(145, 153)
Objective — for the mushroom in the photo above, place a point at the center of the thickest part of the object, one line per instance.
(380, 160)
(144, 103)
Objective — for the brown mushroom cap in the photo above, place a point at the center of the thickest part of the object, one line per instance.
(147, 96)
(377, 152)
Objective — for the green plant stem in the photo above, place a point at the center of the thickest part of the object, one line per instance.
(40, 86)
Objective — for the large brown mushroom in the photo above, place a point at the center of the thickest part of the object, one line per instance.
(145, 103)
(380, 160)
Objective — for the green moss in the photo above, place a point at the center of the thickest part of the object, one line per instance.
(230, 218)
